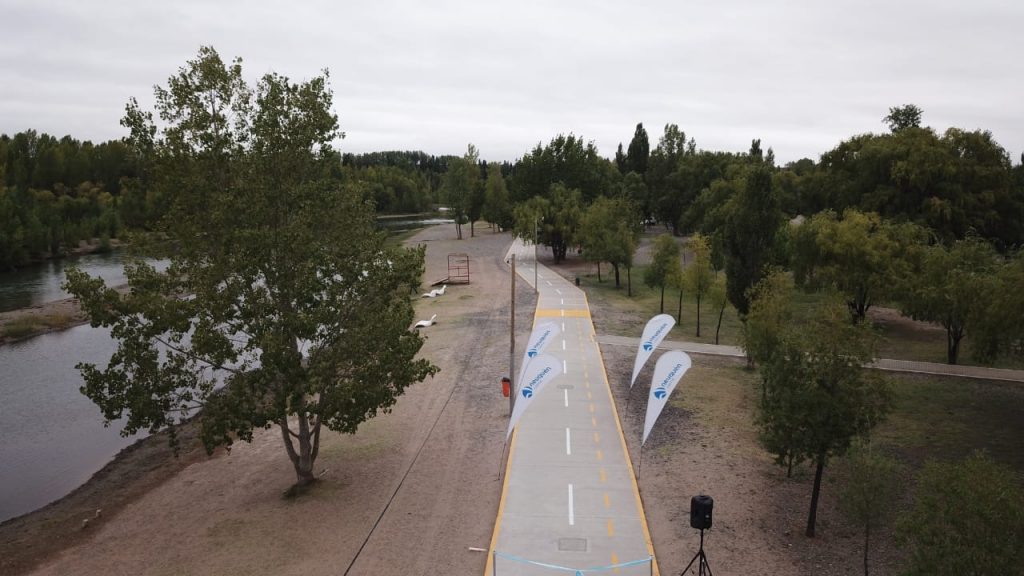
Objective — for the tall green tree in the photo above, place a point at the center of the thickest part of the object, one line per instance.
(1000, 331)
(665, 266)
(903, 117)
(968, 518)
(752, 219)
(497, 208)
(609, 232)
(952, 286)
(554, 219)
(818, 395)
(861, 255)
(459, 186)
(639, 151)
(699, 275)
(277, 279)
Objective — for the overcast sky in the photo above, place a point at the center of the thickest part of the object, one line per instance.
(436, 75)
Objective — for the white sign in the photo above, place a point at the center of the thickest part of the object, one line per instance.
(667, 372)
(655, 331)
(542, 369)
(540, 338)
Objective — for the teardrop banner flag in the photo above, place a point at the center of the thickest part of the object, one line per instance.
(667, 372)
(542, 335)
(655, 331)
(543, 368)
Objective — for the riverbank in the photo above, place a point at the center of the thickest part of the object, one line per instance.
(17, 325)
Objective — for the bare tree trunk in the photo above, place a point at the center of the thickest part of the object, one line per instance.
(599, 271)
(867, 539)
(719, 327)
(812, 517)
(953, 336)
(629, 281)
(617, 283)
(662, 311)
(309, 444)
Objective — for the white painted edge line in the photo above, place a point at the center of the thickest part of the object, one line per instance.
(568, 443)
(566, 403)
(563, 341)
(572, 516)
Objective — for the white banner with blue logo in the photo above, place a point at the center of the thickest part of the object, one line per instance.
(667, 372)
(543, 367)
(542, 335)
(655, 331)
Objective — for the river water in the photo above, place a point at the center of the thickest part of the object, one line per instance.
(53, 438)
(40, 283)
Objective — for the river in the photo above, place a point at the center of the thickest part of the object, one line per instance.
(53, 436)
(40, 283)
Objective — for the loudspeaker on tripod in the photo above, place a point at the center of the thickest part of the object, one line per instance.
(700, 512)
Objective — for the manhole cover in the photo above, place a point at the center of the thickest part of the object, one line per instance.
(572, 544)
(565, 386)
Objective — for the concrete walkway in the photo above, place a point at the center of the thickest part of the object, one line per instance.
(569, 500)
(979, 372)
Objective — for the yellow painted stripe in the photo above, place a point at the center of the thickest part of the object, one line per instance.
(604, 475)
(573, 313)
(600, 455)
(611, 528)
(592, 408)
(615, 560)
(593, 421)
(607, 502)
(655, 571)
(489, 568)
(597, 438)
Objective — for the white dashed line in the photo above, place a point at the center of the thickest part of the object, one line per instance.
(549, 282)
(565, 367)
(566, 402)
(568, 443)
(563, 301)
(572, 516)
(563, 343)
(557, 290)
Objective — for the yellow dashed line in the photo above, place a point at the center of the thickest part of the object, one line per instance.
(611, 529)
(567, 313)
(600, 455)
(589, 397)
(592, 408)
(597, 438)
(615, 560)
(593, 421)
(604, 476)
(607, 503)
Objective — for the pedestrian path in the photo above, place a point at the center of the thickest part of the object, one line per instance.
(912, 366)
(569, 500)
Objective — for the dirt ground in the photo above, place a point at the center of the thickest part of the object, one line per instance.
(415, 489)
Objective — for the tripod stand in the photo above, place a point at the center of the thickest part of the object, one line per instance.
(702, 566)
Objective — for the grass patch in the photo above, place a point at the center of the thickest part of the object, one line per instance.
(28, 325)
(946, 418)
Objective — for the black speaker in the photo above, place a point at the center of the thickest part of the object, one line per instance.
(700, 512)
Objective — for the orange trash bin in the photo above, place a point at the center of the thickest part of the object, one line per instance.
(506, 386)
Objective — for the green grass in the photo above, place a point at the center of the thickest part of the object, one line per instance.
(25, 326)
(947, 418)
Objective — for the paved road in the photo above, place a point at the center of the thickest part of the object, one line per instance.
(569, 499)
